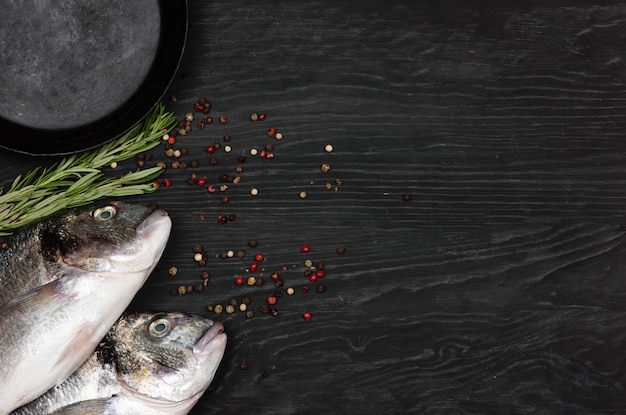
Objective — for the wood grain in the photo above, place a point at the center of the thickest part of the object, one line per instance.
(497, 289)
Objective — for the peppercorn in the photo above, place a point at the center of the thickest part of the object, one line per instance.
(243, 307)
(328, 148)
(205, 275)
(198, 248)
(254, 116)
(321, 288)
(341, 250)
(193, 164)
(210, 308)
(230, 309)
(290, 291)
(239, 280)
(223, 119)
(278, 283)
(305, 289)
(237, 180)
(222, 255)
(232, 217)
(307, 316)
(254, 191)
(308, 263)
(325, 168)
(243, 365)
(182, 290)
(275, 276)
(218, 309)
(305, 248)
(251, 281)
(213, 161)
(252, 243)
(259, 281)
(249, 314)
(246, 300)
(225, 199)
(197, 257)
(264, 309)
(241, 253)
(227, 138)
(222, 220)
(273, 311)
(173, 271)
(230, 253)
(407, 197)
(199, 287)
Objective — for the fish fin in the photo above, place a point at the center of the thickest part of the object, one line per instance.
(34, 299)
(91, 407)
(77, 346)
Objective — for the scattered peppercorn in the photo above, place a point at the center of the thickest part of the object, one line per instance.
(325, 168)
(341, 250)
(321, 288)
(243, 365)
(173, 271)
(407, 197)
(307, 316)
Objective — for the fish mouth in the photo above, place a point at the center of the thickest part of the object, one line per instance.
(154, 222)
(214, 338)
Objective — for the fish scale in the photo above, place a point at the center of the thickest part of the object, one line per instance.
(65, 288)
(137, 372)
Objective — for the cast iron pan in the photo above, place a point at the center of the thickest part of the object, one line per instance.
(76, 74)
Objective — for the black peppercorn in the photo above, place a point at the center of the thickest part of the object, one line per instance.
(407, 197)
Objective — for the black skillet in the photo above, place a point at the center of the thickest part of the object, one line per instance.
(75, 74)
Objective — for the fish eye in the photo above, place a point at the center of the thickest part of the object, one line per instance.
(160, 327)
(104, 213)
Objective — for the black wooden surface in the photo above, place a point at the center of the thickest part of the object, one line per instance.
(497, 289)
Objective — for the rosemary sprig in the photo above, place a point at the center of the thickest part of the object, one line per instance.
(78, 179)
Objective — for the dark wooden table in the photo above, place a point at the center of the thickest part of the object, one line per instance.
(497, 289)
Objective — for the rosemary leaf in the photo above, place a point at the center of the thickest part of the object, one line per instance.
(78, 180)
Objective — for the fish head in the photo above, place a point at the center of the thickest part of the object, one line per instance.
(165, 359)
(113, 237)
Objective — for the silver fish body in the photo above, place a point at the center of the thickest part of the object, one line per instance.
(93, 238)
(46, 333)
(148, 364)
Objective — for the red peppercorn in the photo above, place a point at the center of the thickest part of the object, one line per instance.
(305, 249)
(271, 300)
(271, 132)
(307, 316)
(171, 140)
(259, 257)
(254, 267)
(210, 149)
(313, 277)
(262, 154)
(201, 181)
(156, 183)
(320, 273)
(167, 182)
(269, 156)
(239, 280)
(210, 188)
(261, 116)
(222, 220)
